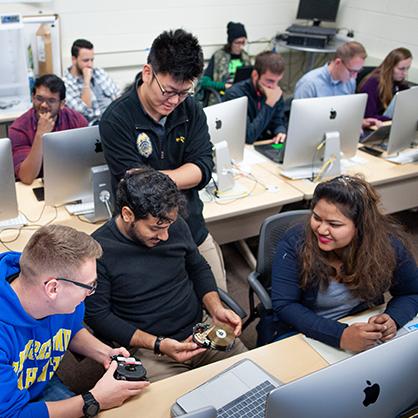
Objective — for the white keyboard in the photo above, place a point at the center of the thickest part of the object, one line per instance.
(80, 208)
(17, 222)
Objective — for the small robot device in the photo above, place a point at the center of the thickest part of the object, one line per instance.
(129, 368)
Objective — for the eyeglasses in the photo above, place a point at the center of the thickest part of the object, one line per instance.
(90, 287)
(169, 94)
(49, 101)
(352, 71)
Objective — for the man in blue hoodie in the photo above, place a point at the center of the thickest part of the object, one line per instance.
(41, 294)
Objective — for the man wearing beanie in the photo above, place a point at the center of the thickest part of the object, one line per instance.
(223, 65)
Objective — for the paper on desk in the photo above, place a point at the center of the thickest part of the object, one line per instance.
(252, 157)
(333, 355)
(347, 163)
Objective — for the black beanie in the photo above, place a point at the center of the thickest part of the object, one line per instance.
(234, 31)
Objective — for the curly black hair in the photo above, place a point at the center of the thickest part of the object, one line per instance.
(149, 192)
(178, 53)
(51, 82)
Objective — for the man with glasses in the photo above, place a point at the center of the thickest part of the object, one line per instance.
(336, 78)
(157, 124)
(152, 281)
(42, 294)
(48, 114)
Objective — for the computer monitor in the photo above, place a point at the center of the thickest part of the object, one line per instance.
(311, 119)
(380, 382)
(228, 122)
(318, 10)
(68, 159)
(405, 121)
(8, 199)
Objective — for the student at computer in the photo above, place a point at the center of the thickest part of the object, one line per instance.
(42, 294)
(265, 112)
(336, 78)
(345, 258)
(221, 69)
(48, 114)
(385, 81)
(90, 89)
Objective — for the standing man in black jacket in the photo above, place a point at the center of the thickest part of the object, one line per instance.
(152, 280)
(265, 114)
(157, 124)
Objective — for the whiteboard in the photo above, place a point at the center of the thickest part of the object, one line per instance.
(31, 25)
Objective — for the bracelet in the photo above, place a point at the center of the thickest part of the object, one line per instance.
(157, 346)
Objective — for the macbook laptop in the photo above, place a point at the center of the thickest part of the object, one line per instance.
(380, 382)
(243, 73)
(243, 388)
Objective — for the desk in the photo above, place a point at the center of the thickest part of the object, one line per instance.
(28, 204)
(396, 184)
(330, 48)
(286, 360)
(8, 116)
(228, 221)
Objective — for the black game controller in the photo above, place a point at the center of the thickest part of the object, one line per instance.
(129, 368)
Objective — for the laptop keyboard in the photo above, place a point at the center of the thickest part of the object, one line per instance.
(249, 405)
(312, 30)
(273, 154)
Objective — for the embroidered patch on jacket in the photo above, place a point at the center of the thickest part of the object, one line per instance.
(144, 145)
(180, 139)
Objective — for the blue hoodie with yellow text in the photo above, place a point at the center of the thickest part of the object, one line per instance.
(30, 349)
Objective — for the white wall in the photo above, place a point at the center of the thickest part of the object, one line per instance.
(123, 30)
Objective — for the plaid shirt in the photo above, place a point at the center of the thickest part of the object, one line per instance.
(74, 86)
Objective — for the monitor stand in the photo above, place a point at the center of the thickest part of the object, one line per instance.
(330, 167)
(409, 155)
(102, 199)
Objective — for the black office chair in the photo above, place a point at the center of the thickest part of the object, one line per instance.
(271, 232)
(203, 94)
(231, 303)
(365, 71)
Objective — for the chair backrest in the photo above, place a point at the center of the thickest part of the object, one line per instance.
(271, 232)
(365, 71)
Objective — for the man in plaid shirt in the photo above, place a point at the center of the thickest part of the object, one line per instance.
(89, 90)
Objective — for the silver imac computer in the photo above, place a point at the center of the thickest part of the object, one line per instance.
(8, 199)
(75, 170)
(228, 122)
(315, 120)
(403, 133)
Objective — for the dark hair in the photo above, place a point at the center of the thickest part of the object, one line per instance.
(269, 61)
(52, 82)
(384, 74)
(178, 53)
(148, 192)
(79, 44)
(369, 260)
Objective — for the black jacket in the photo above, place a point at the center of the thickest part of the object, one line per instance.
(158, 290)
(263, 121)
(131, 138)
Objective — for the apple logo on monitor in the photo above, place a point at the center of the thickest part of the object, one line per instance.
(218, 123)
(371, 393)
(332, 114)
(98, 146)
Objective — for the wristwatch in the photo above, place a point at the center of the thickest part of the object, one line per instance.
(157, 343)
(91, 407)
